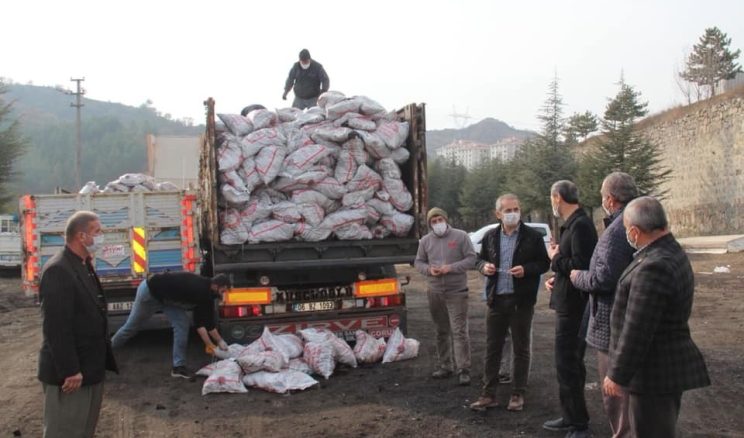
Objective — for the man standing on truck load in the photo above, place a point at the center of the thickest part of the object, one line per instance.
(513, 258)
(444, 257)
(174, 293)
(75, 352)
(309, 79)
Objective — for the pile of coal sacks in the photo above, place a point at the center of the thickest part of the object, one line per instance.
(129, 182)
(284, 363)
(331, 171)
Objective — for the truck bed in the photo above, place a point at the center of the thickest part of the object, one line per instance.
(324, 254)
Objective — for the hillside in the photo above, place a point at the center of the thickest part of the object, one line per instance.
(113, 138)
(486, 131)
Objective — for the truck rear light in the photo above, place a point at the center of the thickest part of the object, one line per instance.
(353, 304)
(189, 257)
(389, 301)
(247, 295)
(376, 288)
(240, 311)
(31, 271)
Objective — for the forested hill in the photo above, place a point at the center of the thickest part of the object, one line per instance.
(113, 138)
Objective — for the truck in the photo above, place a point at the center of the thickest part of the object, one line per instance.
(10, 243)
(144, 232)
(339, 285)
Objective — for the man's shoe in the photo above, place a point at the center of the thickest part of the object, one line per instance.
(183, 373)
(583, 433)
(483, 403)
(464, 377)
(516, 403)
(557, 425)
(505, 378)
(441, 373)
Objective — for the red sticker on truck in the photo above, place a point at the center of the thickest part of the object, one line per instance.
(374, 325)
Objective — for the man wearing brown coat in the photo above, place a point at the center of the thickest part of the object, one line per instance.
(75, 351)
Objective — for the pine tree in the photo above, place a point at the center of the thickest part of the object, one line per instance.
(544, 159)
(622, 148)
(482, 186)
(12, 146)
(579, 126)
(711, 60)
(445, 181)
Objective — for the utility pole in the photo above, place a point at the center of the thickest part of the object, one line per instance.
(79, 148)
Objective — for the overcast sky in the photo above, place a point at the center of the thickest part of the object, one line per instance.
(487, 58)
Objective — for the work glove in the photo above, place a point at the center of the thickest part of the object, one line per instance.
(284, 96)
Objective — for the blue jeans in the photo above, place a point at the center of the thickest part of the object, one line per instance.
(145, 305)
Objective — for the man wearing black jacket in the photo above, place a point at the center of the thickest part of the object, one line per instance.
(512, 257)
(174, 293)
(75, 352)
(309, 79)
(577, 241)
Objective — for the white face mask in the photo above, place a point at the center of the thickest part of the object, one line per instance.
(632, 244)
(606, 209)
(305, 66)
(511, 219)
(97, 244)
(555, 211)
(439, 228)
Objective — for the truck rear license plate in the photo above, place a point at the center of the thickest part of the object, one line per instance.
(120, 306)
(313, 307)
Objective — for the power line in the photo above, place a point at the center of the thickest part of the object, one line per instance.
(79, 147)
(460, 119)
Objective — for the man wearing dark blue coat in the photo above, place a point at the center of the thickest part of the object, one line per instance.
(611, 256)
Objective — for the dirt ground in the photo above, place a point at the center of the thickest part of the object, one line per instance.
(397, 399)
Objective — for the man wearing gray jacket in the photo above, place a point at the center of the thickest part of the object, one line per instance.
(444, 257)
(611, 256)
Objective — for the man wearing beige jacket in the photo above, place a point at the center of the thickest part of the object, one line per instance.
(444, 257)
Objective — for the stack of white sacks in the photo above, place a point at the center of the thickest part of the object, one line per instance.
(282, 363)
(129, 182)
(331, 170)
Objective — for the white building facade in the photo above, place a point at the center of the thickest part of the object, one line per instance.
(471, 154)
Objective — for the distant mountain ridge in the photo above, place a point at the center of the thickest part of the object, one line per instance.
(113, 137)
(487, 131)
(43, 104)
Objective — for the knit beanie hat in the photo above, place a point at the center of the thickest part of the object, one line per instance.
(436, 211)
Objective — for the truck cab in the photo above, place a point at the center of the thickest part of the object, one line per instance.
(10, 243)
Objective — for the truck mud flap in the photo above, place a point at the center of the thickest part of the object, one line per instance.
(378, 322)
